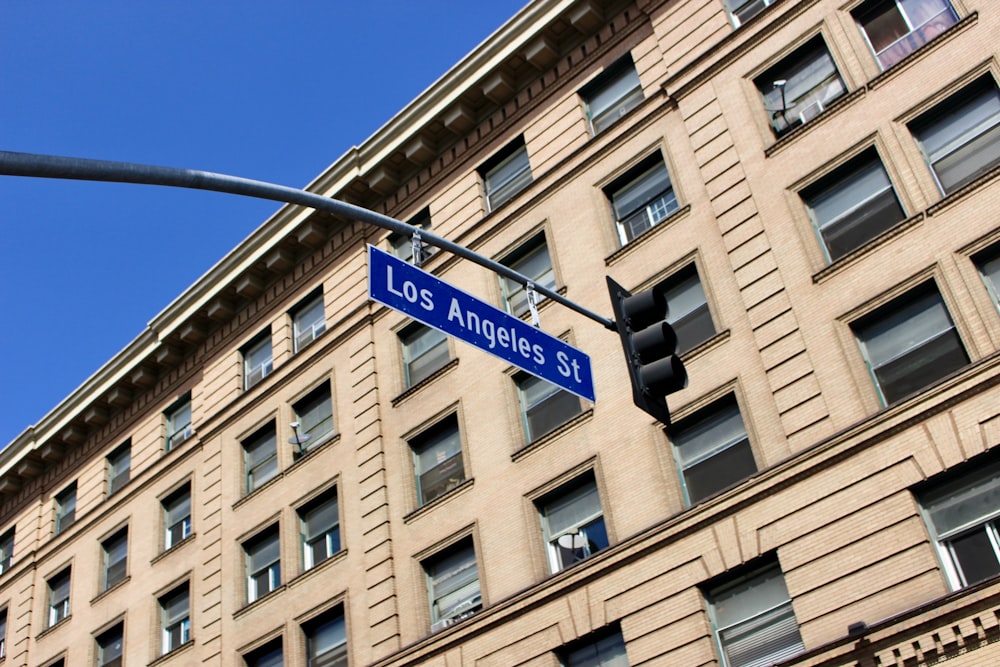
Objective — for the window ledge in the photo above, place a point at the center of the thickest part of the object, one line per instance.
(963, 191)
(52, 628)
(552, 435)
(703, 347)
(650, 233)
(328, 441)
(827, 113)
(260, 489)
(886, 75)
(440, 500)
(248, 607)
(305, 575)
(166, 552)
(173, 652)
(863, 251)
(426, 381)
(105, 593)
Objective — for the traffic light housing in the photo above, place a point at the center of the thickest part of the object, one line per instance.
(650, 346)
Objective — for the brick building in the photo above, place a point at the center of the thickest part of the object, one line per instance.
(279, 471)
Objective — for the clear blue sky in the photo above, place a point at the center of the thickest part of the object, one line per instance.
(274, 90)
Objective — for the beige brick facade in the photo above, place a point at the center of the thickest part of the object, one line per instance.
(839, 508)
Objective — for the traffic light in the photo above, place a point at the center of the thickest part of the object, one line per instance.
(650, 346)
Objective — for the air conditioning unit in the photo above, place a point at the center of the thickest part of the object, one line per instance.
(304, 338)
(459, 612)
(181, 436)
(811, 111)
(442, 624)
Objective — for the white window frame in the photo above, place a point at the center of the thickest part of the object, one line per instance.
(58, 607)
(308, 322)
(179, 621)
(653, 209)
(576, 511)
(739, 17)
(263, 577)
(174, 503)
(915, 37)
(178, 423)
(258, 361)
(612, 94)
(962, 507)
(326, 533)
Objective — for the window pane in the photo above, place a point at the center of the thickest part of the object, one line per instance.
(453, 579)
(438, 457)
(261, 458)
(257, 363)
(315, 415)
(425, 350)
(532, 261)
(687, 309)
(612, 94)
(604, 651)
(508, 177)
(960, 137)
(178, 425)
(800, 86)
(897, 28)
(545, 405)
(642, 198)
(975, 556)
(308, 322)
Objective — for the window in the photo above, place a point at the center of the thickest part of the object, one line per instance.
(712, 449)
(175, 618)
(800, 86)
(532, 261)
(853, 205)
(119, 463)
(453, 585)
(263, 564)
(896, 28)
(989, 268)
(642, 198)
(687, 308)
(257, 360)
(962, 513)
(320, 521)
(115, 550)
(3, 633)
(425, 350)
(308, 322)
(177, 517)
(326, 640)
(109, 647)
(6, 550)
(742, 11)
(179, 423)
(573, 523)
(402, 244)
(268, 655)
(314, 416)
(753, 618)
(960, 137)
(59, 597)
(612, 94)
(260, 457)
(544, 406)
(506, 174)
(66, 508)
(605, 648)
(909, 343)
(437, 456)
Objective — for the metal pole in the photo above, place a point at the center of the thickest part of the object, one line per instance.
(54, 166)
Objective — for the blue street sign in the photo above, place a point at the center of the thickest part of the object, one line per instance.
(430, 300)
